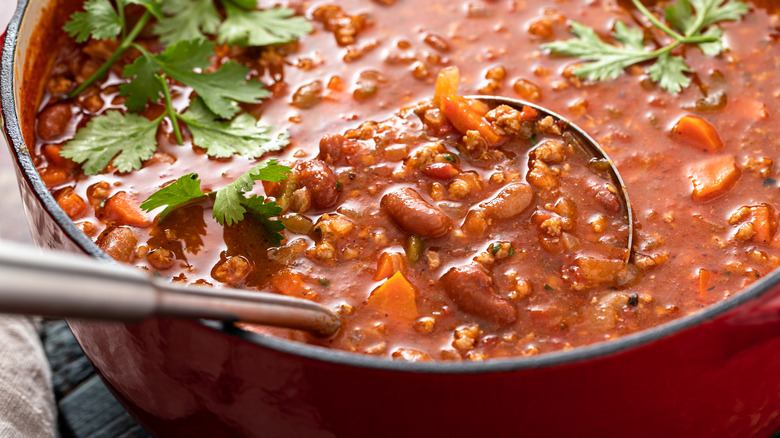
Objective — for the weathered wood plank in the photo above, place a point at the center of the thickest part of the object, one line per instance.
(89, 410)
(69, 366)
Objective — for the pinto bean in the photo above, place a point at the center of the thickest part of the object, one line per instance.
(53, 121)
(414, 214)
(470, 288)
(118, 242)
(509, 202)
(320, 180)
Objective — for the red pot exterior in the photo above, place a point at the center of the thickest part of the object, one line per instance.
(182, 378)
(715, 374)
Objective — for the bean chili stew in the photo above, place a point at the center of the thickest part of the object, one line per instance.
(439, 229)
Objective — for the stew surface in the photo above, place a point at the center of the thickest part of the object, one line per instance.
(433, 242)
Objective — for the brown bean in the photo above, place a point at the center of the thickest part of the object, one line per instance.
(415, 215)
(308, 95)
(509, 202)
(53, 121)
(320, 180)
(118, 242)
(470, 288)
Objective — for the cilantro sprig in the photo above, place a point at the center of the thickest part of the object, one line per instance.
(692, 22)
(129, 139)
(242, 23)
(231, 202)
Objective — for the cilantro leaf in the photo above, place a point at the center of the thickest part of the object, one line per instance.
(153, 6)
(263, 212)
(220, 90)
(99, 20)
(669, 71)
(228, 207)
(713, 11)
(182, 58)
(714, 48)
(691, 17)
(261, 28)
(608, 61)
(246, 4)
(183, 190)
(243, 135)
(128, 139)
(187, 20)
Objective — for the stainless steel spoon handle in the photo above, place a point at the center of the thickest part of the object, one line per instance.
(59, 284)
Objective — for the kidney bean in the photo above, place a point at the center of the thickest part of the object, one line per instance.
(414, 214)
(330, 148)
(118, 242)
(320, 180)
(53, 121)
(470, 288)
(510, 201)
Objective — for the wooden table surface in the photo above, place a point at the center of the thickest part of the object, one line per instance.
(86, 408)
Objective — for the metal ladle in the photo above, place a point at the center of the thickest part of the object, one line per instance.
(48, 283)
(589, 146)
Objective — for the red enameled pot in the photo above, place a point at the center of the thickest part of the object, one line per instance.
(714, 373)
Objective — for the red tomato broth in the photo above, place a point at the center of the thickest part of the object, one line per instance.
(677, 238)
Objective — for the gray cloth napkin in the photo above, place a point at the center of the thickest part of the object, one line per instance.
(27, 407)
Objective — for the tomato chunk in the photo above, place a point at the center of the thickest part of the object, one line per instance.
(713, 177)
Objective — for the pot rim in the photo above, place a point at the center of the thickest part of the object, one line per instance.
(600, 350)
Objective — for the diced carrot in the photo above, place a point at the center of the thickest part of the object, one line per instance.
(764, 223)
(446, 84)
(528, 113)
(72, 204)
(703, 278)
(54, 176)
(270, 187)
(53, 157)
(697, 132)
(460, 113)
(713, 177)
(389, 263)
(396, 297)
(124, 209)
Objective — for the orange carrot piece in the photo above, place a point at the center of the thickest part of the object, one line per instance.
(389, 263)
(697, 132)
(713, 177)
(53, 157)
(396, 297)
(446, 84)
(460, 113)
(124, 209)
(703, 278)
(73, 205)
(528, 113)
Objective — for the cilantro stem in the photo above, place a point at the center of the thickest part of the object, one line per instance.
(120, 5)
(686, 39)
(169, 108)
(126, 43)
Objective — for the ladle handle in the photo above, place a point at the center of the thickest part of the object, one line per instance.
(67, 285)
